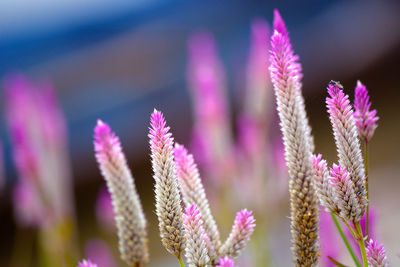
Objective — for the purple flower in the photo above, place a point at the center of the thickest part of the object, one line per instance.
(196, 238)
(240, 234)
(347, 143)
(365, 118)
(347, 201)
(286, 77)
(225, 262)
(168, 199)
(86, 263)
(376, 254)
(129, 217)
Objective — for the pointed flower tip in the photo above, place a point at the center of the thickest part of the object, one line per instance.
(245, 218)
(279, 24)
(376, 254)
(225, 262)
(86, 263)
(339, 173)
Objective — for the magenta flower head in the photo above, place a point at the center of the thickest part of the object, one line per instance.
(376, 254)
(304, 207)
(86, 263)
(346, 139)
(240, 234)
(347, 201)
(193, 192)
(325, 191)
(196, 238)
(365, 118)
(130, 219)
(168, 199)
(225, 262)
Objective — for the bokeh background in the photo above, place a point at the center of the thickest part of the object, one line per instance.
(118, 60)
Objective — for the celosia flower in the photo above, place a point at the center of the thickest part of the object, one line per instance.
(225, 262)
(99, 250)
(86, 263)
(376, 254)
(130, 219)
(286, 77)
(325, 191)
(195, 235)
(347, 143)
(350, 208)
(193, 192)
(168, 200)
(240, 234)
(365, 118)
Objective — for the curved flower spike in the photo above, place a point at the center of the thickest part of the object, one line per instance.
(129, 216)
(376, 254)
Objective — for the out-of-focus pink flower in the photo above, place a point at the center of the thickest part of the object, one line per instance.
(225, 262)
(99, 250)
(212, 137)
(376, 254)
(86, 263)
(328, 239)
(365, 118)
(37, 128)
(104, 209)
(240, 234)
(28, 208)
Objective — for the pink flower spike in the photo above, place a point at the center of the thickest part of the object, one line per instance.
(129, 217)
(376, 254)
(86, 263)
(168, 199)
(365, 118)
(346, 139)
(347, 201)
(196, 238)
(225, 262)
(240, 234)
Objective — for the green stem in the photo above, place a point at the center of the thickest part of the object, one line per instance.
(366, 181)
(181, 264)
(361, 243)
(346, 242)
(336, 262)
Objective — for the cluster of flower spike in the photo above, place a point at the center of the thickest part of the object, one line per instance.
(175, 173)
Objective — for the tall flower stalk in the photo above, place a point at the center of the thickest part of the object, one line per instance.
(286, 77)
(168, 199)
(129, 216)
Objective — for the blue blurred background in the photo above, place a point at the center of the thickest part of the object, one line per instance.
(117, 60)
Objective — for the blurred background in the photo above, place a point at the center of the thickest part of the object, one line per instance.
(118, 60)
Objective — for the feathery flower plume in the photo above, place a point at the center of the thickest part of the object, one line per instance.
(195, 235)
(225, 262)
(130, 219)
(376, 254)
(286, 75)
(86, 263)
(350, 208)
(365, 118)
(193, 191)
(240, 234)
(325, 190)
(346, 139)
(168, 200)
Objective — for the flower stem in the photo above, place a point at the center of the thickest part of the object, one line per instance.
(346, 242)
(336, 262)
(361, 243)
(181, 264)
(366, 181)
